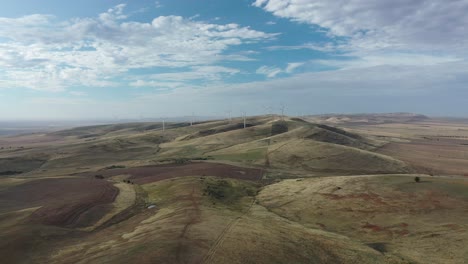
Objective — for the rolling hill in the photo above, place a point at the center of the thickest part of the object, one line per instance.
(278, 190)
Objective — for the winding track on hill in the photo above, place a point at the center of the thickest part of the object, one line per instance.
(194, 217)
(222, 236)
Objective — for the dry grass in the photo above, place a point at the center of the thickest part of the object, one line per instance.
(351, 219)
(310, 155)
(263, 237)
(411, 219)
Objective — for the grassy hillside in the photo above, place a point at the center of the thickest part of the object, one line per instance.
(393, 213)
(276, 191)
(304, 147)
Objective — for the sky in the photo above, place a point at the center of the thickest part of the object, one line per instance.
(106, 59)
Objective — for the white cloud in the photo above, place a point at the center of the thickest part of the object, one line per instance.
(270, 23)
(391, 59)
(270, 72)
(324, 47)
(40, 52)
(397, 80)
(168, 85)
(181, 79)
(377, 25)
(292, 66)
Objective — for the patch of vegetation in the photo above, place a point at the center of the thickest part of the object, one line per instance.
(181, 160)
(334, 138)
(203, 158)
(298, 119)
(227, 191)
(279, 128)
(339, 131)
(89, 136)
(18, 165)
(417, 179)
(9, 172)
(155, 139)
(184, 160)
(381, 247)
(115, 167)
(227, 128)
(99, 176)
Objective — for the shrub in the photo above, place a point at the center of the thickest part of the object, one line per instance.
(181, 161)
(115, 167)
(10, 172)
(227, 192)
(417, 179)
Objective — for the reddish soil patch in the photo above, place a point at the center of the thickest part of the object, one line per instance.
(372, 227)
(402, 232)
(66, 202)
(402, 225)
(147, 174)
(322, 226)
(399, 230)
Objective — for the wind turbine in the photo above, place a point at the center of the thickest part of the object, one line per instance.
(244, 116)
(229, 116)
(282, 111)
(267, 109)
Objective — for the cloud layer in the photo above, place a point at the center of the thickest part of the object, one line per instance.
(431, 89)
(353, 55)
(375, 25)
(39, 52)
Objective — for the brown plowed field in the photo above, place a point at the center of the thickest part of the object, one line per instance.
(65, 202)
(147, 174)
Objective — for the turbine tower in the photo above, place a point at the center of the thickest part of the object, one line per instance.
(230, 116)
(244, 115)
(282, 111)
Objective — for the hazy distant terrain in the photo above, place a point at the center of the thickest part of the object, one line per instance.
(8, 128)
(16, 128)
(316, 189)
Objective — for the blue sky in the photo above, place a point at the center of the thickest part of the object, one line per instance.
(116, 59)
